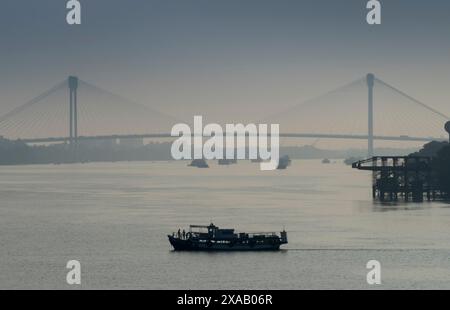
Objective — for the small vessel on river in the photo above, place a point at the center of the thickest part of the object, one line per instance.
(199, 163)
(284, 162)
(226, 162)
(212, 238)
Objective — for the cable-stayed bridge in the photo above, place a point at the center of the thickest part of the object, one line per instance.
(366, 109)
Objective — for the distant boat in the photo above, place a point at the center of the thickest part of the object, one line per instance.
(211, 238)
(325, 161)
(227, 161)
(199, 163)
(284, 162)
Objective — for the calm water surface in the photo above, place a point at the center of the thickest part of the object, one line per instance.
(114, 218)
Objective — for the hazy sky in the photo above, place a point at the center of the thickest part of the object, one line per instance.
(224, 57)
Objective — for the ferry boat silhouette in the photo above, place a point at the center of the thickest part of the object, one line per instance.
(212, 238)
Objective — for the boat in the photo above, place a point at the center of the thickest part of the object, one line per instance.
(213, 238)
(199, 163)
(284, 162)
(226, 162)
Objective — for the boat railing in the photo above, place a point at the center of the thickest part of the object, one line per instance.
(260, 234)
(197, 234)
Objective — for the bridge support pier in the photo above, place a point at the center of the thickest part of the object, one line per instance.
(73, 130)
(370, 85)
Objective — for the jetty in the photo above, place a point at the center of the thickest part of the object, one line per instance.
(407, 178)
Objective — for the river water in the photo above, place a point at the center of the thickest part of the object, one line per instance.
(114, 219)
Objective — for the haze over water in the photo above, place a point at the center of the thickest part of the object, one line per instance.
(114, 218)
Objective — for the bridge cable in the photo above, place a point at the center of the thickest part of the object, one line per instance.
(31, 102)
(413, 99)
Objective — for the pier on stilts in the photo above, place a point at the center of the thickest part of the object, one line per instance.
(404, 178)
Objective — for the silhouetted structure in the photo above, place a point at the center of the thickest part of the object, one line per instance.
(199, 163)
(73, 114)
(370, 84)
(425, 173)
(212, 238)
(226, 162)
(401, 177)
(284, 162)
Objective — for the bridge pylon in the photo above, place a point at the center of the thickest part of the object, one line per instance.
(370, 84)
(73, 114)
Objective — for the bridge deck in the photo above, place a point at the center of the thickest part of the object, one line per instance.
(282, 135)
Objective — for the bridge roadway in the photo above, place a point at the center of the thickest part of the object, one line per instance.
(282, 135)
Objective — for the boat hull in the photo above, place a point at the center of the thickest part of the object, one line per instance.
(193, 245)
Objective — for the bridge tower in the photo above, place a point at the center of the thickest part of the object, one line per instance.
(73, 114)
(370, 84)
